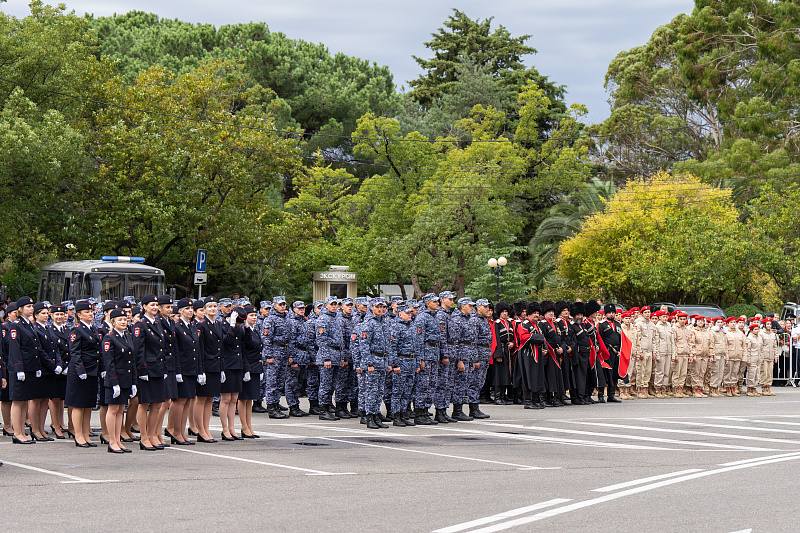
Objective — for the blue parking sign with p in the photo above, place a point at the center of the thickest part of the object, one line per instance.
(202, 256)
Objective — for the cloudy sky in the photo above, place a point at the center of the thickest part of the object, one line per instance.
(575, 39)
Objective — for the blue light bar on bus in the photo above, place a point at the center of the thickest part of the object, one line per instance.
(122, 259)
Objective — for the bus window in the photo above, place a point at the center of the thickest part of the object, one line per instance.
(101, 286)
(55, 287)
(141, 284)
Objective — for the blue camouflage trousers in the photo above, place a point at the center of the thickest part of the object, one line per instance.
(476, 380)
(374, 389)
(425, 385)
(327, 378)
(293, 384)
(444, 385)
(460, 381)
(312, 383)
(276, 377)
(387, 389)
(402, 384)
(343, 384)
(362, 387)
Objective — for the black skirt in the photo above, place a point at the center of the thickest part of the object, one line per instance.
(188, 388)
(212, 388)
(5, 394)
(22, 391)
(81, 393)
(100, 386)
(46, 386)
(171, 386)
(251, 390)
(122, 399)
(233, 381)
(151, 391)
(61, 387)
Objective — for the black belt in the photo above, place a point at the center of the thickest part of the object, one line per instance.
(280, 345)
(433, 344)
(484, 346)
(468, 344)
(379, 354)
(337, 348)
(412, 356)
(451, 343)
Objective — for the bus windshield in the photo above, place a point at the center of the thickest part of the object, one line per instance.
(141, 284)
(102, 286)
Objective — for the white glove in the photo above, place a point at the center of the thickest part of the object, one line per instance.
(20, 376)
(222, 377)
(179, 378)
(145, 377)
(64, 372)
(133, 391)
(116, 390)
(232, 320)
(246, 376)
(103, 374)
(166, 376)
(58, 370)
(38, 373)
(201, 379)
(83, 376)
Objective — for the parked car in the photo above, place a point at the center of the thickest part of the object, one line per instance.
(706, 310)
(790, 307)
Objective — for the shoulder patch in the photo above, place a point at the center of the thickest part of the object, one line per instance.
(106, 346)
(441, 326)
(321, 331)
(13, 334)
(419, 330)
(137, 331)
(4, 332)
(363, 334)
(266, 331)
(354, 336)
(73, 337)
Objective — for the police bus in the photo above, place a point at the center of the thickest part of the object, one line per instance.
(110, 278)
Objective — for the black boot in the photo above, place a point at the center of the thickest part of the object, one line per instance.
(450, 419)
(398, 420)
(341, 410)
(440, 417)
(276, 413)
(281, 407)
(332, 411)
(600, 398)
(354, 412)
(408, 418)
(363, 415)
(314, 409)
(458, 413)
(528, 401)
(294, 410)
(517, 395)
(258, 407)
(215, 409)
(420, 419)
(370, 422)
(378, 420)
(611, 397)
(538, 401)
(327, 414)
(382, 418)
(475, 411)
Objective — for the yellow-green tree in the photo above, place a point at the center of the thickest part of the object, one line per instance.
(668, 238)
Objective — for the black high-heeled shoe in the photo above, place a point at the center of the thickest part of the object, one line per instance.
(246, 436)
(134, 430)
(168, 434)
(92, 434)
(103, 440)
(192, 433)
(227, 438)
(147, 448)
(43, 439)
(69, 433)
(6, 433)
(92, 444)
(237, 437)
(134, 439)
(173, 440)
(208, 441)
(112, 450)
(59, 437)
(81, 445)
(15, 440)
(126, 450)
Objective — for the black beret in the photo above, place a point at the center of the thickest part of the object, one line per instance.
(241, 315)
(12, 307)
(38, 306)
(592, 307)
(116, 313)
(110, 306)
(210, 300)
(577, 308)
(25, 300)
(148, 299)
(183, 302)
(249, 309)
(59, 308)
(198, 304)
(164, 299)
(82, 305)
(136, 310)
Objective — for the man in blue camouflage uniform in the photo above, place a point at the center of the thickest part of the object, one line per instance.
(344, 374)
(464, 341)
(264, 307)
(479, 322)
(329, 355)
(446, 374)
(357, 399)
(298, 358)
(391, 317)
(432, 340)
(391, 312)
(404, 352)
(374, 345)
(276, 339)
(312, 370)
(263, 312)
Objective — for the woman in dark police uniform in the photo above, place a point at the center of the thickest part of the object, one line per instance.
(234, 373)
(187, 353)
(211, 371)
(251, 356)
(24, 352)
(59, 334)
(51, 365)
(119, 383)
(82, 378)
(151, 368)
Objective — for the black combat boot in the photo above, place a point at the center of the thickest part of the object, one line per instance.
(458, 413)
(370, 421)
(363, 415)
(408, 418)
(354, 412)
(314, 409)
(398, 420)
(379, 422)
(448, 417)
(281, 407)
(276, 413)
(440, 417)
(475, 411)
(327, 414)
(258, 407)
(528, 401)
(382, 418)
(294, 410)
(215, 409)
(420, 419)
(600, 392)
(341, 410)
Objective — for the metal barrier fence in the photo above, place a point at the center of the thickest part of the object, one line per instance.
(787, 368)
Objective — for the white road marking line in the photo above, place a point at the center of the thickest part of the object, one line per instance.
(743, 531)
(725, 426)
(560, 440)
(264, 433)
(72, 479)
(459, 457)
(632, 437)
(636, 490)
(686, 431)
(735, 419)
(501, 516)
(309, 471)
(350, 430)
(627, 484)
(755, 460)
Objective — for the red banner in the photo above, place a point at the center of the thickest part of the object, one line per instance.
(624, 355)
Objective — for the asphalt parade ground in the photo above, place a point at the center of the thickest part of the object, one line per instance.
(711, 465)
